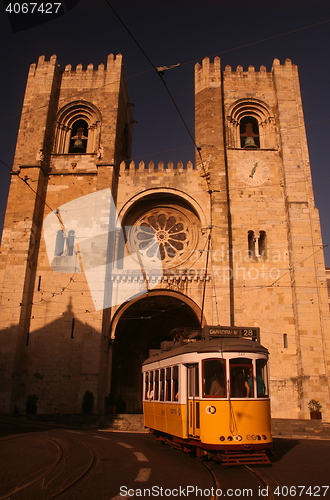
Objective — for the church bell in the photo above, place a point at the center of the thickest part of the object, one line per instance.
(79, 144)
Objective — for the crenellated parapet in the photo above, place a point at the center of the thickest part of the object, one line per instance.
(252, 73)
(42, 65)
(249, 74)
(143, 167)
(113, 62)
(107, 75)
(207, 74)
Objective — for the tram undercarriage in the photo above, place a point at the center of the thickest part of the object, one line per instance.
(241, 455)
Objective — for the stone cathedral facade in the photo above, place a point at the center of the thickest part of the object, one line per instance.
(101, 258)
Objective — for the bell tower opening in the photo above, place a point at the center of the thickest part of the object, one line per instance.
(142, 327)
(249, 132)
(79, 136)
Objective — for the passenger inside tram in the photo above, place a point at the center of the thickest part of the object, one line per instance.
(218, 385)
(241, 387)
(260, 385)
(214, 378)
(241, 378)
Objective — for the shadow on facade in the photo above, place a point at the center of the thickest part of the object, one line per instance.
(49, 370)
(61, 368)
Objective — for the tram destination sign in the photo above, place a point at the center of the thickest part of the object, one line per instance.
(252, 333)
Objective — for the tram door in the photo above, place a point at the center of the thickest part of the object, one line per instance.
(193, 401)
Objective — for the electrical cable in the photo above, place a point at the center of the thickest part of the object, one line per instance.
(160, 74)
(25, 180)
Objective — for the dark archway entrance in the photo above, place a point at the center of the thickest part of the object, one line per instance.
(143, 326)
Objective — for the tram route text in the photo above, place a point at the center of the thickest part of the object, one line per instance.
(186, 491)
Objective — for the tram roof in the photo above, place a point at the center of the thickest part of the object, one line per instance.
(212, 345)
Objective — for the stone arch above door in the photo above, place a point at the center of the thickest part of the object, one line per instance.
(139, 326)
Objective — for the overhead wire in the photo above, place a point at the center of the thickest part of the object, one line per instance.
(181, 64)
(193, 61)
(160, 74)
(25, 180)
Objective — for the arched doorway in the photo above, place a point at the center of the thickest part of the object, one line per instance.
(142, 326)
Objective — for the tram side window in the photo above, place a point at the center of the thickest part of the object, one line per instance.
(175, 386)
(241, 378)
(156, 385)
(262, 379)
(214, 371)
(168, 386)
(146, 385)
(149, 386)
(193, 380)
(162, 385)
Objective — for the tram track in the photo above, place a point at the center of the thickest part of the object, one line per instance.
(83, 475)
(35, 476)
(241, 484)
(55, 479)
(267, 483)
(215, 483)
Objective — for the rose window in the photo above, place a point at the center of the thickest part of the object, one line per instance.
(164, 236)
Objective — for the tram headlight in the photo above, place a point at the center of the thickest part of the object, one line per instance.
(222, 438)
(238, 437)
(210, 410)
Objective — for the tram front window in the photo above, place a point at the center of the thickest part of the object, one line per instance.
(262, 378)
(241, 378)
(214, 371)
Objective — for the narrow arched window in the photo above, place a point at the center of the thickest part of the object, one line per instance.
(251, 244)
(249, 133)
(262, 244)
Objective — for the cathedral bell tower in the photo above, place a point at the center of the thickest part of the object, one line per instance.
(75, 131)
(267, 246)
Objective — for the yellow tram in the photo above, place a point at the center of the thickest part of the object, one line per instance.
(209, 393)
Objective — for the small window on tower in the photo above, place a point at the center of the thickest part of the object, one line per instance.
(251, 244)
(262, 245)
(249, 133)
(79, 136)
